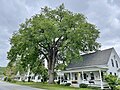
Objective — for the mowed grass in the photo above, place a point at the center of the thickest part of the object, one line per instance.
(51, 86)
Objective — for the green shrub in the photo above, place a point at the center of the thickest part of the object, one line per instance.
(118, 88)
(23, 80)
(82, 85)
(118, 81)
(112, 81)
(9, 79)
(67, 84)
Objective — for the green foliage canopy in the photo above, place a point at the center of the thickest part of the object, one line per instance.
(55, 35)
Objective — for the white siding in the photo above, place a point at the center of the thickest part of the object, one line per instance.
(115, 58)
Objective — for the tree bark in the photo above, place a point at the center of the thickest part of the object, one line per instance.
(51, 76)
(51, 63)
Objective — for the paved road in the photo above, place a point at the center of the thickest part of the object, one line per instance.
(8, 86)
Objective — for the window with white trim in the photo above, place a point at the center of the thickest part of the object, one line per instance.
(112, 62)
(116, 64)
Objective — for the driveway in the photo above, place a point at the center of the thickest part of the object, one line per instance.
(9, 86)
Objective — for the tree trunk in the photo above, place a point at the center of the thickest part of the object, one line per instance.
(51, 76)
(51, 65)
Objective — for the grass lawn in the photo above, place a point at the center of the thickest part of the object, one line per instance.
(52, 86)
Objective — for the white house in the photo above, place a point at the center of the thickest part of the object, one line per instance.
(29, 75)
(18, 77)
(91, 69)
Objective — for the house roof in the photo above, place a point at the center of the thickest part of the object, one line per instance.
(99, 57)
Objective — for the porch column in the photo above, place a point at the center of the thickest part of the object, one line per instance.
(68, 76)
(57, 77)
(79, 77)
(82, 76)
(101, 82)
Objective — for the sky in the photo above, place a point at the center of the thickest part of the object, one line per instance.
(105, 14)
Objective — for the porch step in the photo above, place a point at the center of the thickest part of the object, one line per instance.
(106, 87)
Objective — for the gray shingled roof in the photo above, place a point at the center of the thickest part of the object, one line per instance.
(96, 58)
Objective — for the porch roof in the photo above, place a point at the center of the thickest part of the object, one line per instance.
(89, 68)
(97, 58)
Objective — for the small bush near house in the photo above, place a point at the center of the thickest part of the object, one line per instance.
(67, 84)
(112, 81)
(82, 85)
(9, 79)
(23, 80)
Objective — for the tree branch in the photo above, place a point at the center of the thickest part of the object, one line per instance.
(44, 55)
(58, 40)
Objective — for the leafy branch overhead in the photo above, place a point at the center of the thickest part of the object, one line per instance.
(55, 35)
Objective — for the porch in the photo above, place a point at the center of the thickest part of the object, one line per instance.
(90, 76)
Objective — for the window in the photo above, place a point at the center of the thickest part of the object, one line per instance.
(116, 64)
(62, 79)
(65, 76)
(33, 77)
(115, 74)
(75, 76)
(38, 77)
(111, 73)
(112, 62)
(92, 76)
(102, 75)
(85, 76)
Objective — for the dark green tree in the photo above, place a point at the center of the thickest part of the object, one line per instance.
(56, 35)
